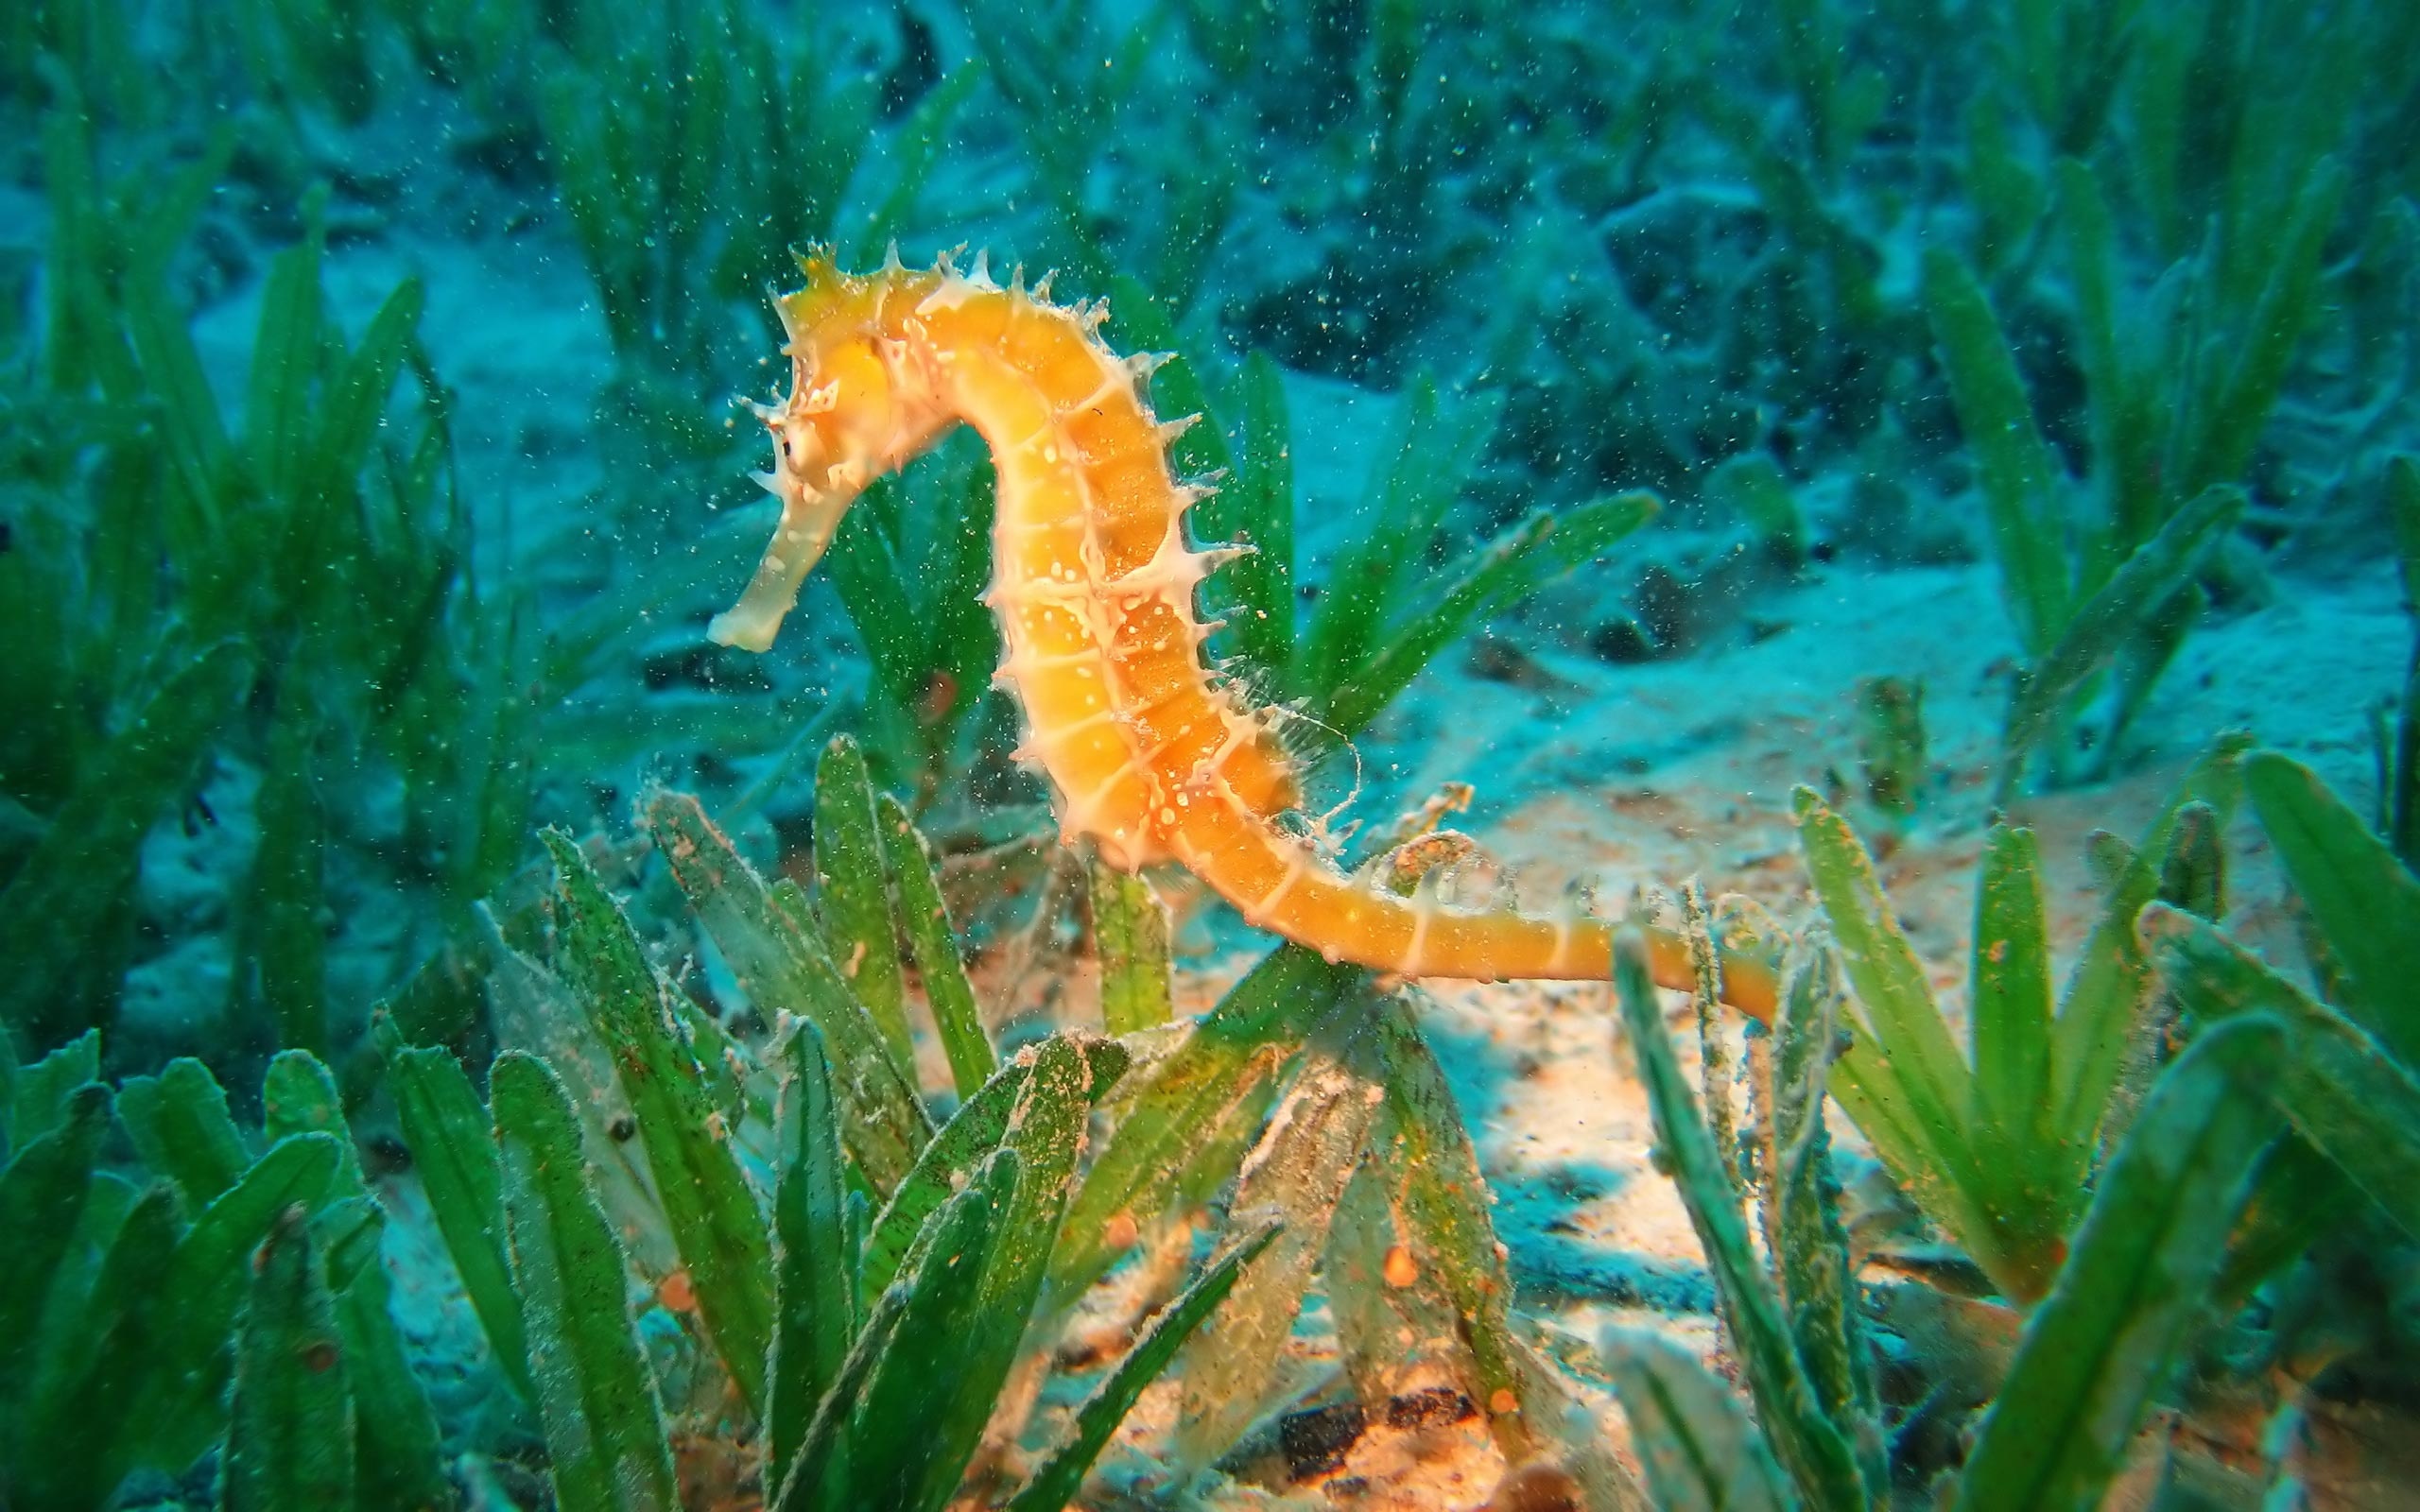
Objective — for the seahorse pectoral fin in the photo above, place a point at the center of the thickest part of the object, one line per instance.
(809, 521)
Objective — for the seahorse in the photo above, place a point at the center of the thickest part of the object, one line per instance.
(1150, 755)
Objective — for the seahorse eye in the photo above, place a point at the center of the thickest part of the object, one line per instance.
(802, 446)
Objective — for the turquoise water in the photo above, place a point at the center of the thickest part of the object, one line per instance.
(1964, 415)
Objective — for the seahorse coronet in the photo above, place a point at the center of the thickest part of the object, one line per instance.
(1151, 753)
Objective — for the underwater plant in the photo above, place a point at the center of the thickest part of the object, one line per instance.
(1891, 744)
(2396, 732)
(642, 163)
(2335, 1191)
(883, 1317)
(2000, 1153)
(908, 568)
(298, 597)
(2099, 1342)
(856, 1332)
(2126, 1174)
(1355, 653)
(226, 1291)
(1311, 1089)
(2347, 1083)
(283, 592)
(681, 197)
(1066, 80)
(2104, 575)
(2123, 594)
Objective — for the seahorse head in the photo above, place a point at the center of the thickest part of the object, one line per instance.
(859, 406)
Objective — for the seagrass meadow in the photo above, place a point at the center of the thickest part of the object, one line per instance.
(1243, 754)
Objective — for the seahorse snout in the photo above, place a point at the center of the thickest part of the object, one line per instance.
(810, 518)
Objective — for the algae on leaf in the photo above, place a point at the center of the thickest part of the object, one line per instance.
(2000, 1154)
(1056, 1483)
(773, 942)
(2132, 1285)
(2351, 1097)
(1806, 1439)
(1183, 1103)
(1807, 1245)
(815, 1302)
(924, 918)
(1131, 937)
(179, 1123)
(451, 1143)
(1294, 1177)
(716, 1224)
(598, 1398)
(75, 884)
(1440, 1202)
(290, 1440)
(853, 901)
(1696, 1445)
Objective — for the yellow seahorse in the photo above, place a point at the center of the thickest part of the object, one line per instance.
(1149, 756)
